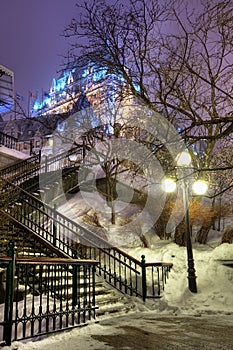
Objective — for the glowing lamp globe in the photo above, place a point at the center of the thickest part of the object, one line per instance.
(73, 157)
(168, 185)
(200, 187)
(183, 159)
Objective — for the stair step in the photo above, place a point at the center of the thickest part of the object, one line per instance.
(108, 300)
(110, 309)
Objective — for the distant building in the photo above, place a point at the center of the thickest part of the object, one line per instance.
(81, 84)
(6, 89)
(32, 133)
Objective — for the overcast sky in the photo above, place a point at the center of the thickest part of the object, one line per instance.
(30, 40)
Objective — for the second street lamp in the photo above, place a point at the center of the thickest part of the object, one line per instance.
(199, 187)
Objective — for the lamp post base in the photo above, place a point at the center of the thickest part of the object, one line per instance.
(192, 277)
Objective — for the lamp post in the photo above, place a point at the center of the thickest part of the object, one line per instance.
(199, 187)
(191, 269)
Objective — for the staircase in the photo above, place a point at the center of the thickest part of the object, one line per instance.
(108, 300)
(40, 230)
(111, 302)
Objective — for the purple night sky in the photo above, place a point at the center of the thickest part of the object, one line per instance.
(30, 40)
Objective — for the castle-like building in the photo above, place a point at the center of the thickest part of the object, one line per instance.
(81, 84)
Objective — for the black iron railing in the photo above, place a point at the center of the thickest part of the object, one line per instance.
(124, 272)
(119, 269)
(24, 170)
(40, 220)
(22, 167)
(154, 277)
(8, 141)
(45, 295)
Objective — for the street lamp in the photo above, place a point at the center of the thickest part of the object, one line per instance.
(168, 185)
(199, 187)
(73, 158)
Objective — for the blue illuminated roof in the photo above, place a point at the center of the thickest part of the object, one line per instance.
(6, 106)
(75, 75)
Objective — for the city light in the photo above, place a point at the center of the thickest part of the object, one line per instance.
(183, 159)
(200, 187)
(168, 185)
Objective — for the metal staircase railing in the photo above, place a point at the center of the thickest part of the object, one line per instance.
(8, 141)
(21, 167)
(119, 269)
(24, 170)
(66, 237)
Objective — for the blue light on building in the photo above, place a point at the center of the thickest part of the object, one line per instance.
(6, 89)
(64, 92)
(100, 74)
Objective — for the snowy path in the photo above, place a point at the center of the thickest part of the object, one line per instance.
(144, 331)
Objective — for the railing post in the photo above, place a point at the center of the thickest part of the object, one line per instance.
(31, 147)
(75, 281)
(93, 286)
(9, 297)
(39, 156)
(54, 225)
(144, 288)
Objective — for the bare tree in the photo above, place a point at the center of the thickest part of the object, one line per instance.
(174, 56)
(110, 153)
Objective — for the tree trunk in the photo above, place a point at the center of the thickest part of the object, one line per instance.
(113, 216)
(202, 234)
(110, 196)
(161, 223)
(228, 235)
(208, 223)
(180, 234)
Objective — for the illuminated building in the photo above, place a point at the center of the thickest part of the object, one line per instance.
(80, 81)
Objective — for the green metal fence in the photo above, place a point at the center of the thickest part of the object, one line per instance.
(45, 295)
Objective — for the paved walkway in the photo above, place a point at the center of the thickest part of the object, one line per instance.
(165, 333)
(141, 331)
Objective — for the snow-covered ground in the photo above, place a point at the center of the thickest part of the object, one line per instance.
(214, 280)
(212, 305)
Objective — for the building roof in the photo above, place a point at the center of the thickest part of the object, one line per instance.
(6, 70)
(28, 127)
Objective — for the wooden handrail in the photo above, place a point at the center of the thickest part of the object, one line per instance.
(160, 263)
(48, 261)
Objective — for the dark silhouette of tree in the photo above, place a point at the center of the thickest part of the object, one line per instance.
(174, 57)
